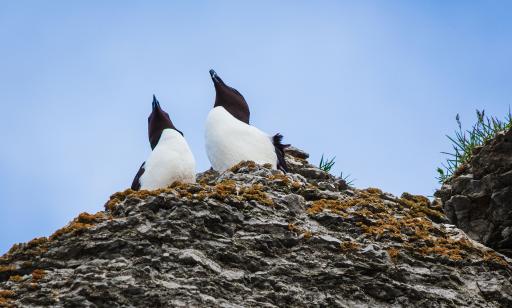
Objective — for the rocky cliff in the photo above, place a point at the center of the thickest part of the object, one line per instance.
(257, 237)
(478, 198)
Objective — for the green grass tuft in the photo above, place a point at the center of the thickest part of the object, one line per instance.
(465, 141)
(326, 164)
(347, 179)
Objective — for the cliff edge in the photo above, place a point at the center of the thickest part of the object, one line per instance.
(478, 198)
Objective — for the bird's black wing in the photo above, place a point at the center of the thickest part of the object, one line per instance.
(279, 146)
(136, 180)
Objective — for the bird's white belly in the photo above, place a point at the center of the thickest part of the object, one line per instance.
(230, 141)
(171, 160)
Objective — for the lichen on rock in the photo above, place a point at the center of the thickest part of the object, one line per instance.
(253, 236)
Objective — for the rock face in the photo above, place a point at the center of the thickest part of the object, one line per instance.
(478, 199)
(257, 237)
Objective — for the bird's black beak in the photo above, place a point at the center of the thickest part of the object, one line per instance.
(156, 104)
(216, 79)
(213, 74)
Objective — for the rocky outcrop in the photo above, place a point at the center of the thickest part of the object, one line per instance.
(478, 198)
(253, 236)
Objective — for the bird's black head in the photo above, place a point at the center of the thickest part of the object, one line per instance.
(230, 99)
(158, 120)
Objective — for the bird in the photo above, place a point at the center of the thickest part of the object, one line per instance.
(230, 138)
(170, 159)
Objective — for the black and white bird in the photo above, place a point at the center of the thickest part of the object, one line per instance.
(170, 159)
(230, 138)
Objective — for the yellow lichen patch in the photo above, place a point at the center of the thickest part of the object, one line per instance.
(334, 206)
(388, 226)
(393, 252)
(183, 190)
(405, 222)
(16, 278)
(420, 205)
(256, 193)
(307, 234)
(83, 221)
(280, 178)
(373, 191)
(421, 200)
(6, 298)
(38, 274)
(34, 247)
(37, 242)
(454, 250)
(250, 165)
(493, 257)
(7, 268)
(293, 228)
(224, 190)
(7, 293)
(119, 197)
(349, 246)
(14, 248)
(296, 185)
(87, 218)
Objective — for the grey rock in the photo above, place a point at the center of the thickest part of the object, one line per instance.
(478, 198)
(255, 237)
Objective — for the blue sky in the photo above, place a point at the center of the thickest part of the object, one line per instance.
(375, 83)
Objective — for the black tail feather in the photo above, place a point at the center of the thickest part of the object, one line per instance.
(279, 146)
(136, 180)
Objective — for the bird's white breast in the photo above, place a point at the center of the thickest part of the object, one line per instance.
(229, 141)
(171, 160)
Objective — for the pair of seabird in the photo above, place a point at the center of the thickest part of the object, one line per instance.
(229, 138)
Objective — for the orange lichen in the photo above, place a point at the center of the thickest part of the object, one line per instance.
(373, 190)
(119, 197)
(16, 278)
(7, 293)
(7, 268)
(224, 189)
(420, 205)
(37, 241)
(38, 274)
(349, 246)
(411, 226)
(255, 192)
(250, 165)
(14, 248)
(334, 206)
(454, 250)
(83, 221)
(6, 298)
(493, 257)
(293, 228)
(296, 185)
(393, 252)
(281, 179)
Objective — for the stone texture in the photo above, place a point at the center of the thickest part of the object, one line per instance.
(478, 198)
(257, 237)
